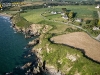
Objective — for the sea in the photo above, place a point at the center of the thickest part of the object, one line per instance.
(12, 48)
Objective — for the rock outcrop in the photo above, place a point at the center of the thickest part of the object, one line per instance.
(33, 42)
(33, 30)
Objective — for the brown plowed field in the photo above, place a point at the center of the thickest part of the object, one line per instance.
(80, 40)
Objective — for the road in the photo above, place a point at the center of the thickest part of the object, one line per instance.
(70, 24)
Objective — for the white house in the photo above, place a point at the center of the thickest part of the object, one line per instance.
(6, 4)
(65, 17)
(53, 12)
(96, 28)
(49, 6)
(98, 6)
(78, 20)
(59, 12)
(62, 13)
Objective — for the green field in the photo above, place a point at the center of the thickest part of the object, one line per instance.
(33, 16)
(81, 11)
(57, 53)
(85, 12)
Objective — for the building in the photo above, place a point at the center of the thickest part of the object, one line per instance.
(53, 12)
(78, 20)
(10, 4)
(98, 6)
(96, 28)
(62, 13)
(65, 17)
(6, 4)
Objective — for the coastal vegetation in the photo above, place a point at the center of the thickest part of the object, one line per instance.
(56, 54)
(20, 21)
(68, 60)
(89, 17)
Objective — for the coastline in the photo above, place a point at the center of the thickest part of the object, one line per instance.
(36, 70)
(40, 62)
(52, 53)
(30, 55)
(4, 14)
(6, 23)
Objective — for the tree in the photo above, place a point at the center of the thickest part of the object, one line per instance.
(94, 22)
(88, 21)
(67, 13)
(70, 15)
(99, 23)
(64, 10)
(0, 6)
(95, 15)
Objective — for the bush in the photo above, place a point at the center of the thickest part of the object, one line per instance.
(73, 30)
(88, 21)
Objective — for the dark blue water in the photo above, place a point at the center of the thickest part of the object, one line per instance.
(11, 46)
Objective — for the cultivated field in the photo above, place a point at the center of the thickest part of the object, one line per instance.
(62, 56)
(80, 40)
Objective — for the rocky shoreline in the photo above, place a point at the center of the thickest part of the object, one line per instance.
(39, 67)
(28, 32)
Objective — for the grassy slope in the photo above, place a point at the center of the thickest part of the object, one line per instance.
(57, 52)
(20, 21)
(34, 15)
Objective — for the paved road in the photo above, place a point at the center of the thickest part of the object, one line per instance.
(70, 24)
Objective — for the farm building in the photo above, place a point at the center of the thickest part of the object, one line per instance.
(98, 6)
(65, 17)
(78, 20)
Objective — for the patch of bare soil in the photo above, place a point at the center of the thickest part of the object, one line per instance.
(80, 40)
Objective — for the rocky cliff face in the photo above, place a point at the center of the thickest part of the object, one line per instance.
(33, 30)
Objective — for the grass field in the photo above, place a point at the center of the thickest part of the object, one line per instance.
(80, 10)
(33, 16)
(58, 55)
